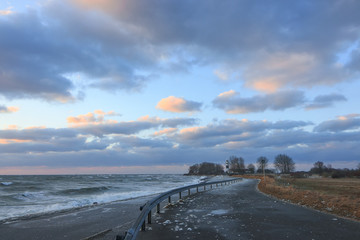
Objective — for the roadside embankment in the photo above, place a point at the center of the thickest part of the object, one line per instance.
(335, 196)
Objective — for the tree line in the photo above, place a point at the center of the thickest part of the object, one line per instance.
(282, 162)
(328, 171)
(206, 168)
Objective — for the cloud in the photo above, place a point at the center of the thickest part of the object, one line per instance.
(222, 75)
(232, 130)
(83, 146)
(323, 101)
(274, 50)
(61, 40)
(166, 131)
(91, 118)
(7, 11)
(273, 71)
(122, 45)
(232, 103)
(91, 125)
(343, 123)
(178, 105)
(4, 109)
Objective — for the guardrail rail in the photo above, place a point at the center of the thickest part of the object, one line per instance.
(146, 209)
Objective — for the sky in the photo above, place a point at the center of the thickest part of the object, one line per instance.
(138, 86)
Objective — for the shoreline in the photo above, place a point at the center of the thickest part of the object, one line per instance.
(69, 210)
(110, 219)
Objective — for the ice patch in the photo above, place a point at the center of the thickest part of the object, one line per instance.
(177, 228)
(167, 222)
(219, 212)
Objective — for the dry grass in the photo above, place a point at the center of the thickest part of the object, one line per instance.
(336, 196)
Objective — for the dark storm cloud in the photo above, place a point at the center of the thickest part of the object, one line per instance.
(305, 36)
(234, 104)
(40, 49)
(119, 44)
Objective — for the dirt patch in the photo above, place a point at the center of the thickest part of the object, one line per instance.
(335, 196)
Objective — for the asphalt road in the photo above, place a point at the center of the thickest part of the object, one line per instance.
(109, 219)
(239, 211)
(236, 211)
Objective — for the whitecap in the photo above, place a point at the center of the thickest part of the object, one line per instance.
(6, 183)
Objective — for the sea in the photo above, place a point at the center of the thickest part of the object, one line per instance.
(26, 196)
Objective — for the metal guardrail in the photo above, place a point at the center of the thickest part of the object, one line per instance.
(146, 209)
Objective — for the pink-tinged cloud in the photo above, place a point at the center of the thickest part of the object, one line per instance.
(9, 141)
(7, 11)
(270, 72)
(4, 109)
(178, 105)
(166, 131)
(91, 118)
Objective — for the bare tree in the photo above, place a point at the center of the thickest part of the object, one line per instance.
(284, 163)
(318, 167)
(194, 169)
(234, 163)
(262, 163)
(237, 164)
(241, 164)
(251, 168)
(206, 168)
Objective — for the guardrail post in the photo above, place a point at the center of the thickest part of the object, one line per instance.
(143, 226)
(158, 208)
(141, 220)
(149, 217)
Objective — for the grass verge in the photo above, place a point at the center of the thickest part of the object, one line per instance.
(336, 196)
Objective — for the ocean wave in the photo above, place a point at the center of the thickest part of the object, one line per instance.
(32, 195)
(83, 191)
(6, 183)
